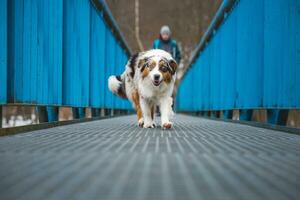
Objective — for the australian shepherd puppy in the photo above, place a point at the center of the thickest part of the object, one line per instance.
(148, 82)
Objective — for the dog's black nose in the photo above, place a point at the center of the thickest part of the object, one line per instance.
(156, 77)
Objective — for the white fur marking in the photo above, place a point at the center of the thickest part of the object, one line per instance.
(113, 84)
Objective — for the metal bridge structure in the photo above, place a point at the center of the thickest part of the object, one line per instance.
(56, 53)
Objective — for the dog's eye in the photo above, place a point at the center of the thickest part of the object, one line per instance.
(164, 69)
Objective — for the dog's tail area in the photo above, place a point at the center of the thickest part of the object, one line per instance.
(116, 85)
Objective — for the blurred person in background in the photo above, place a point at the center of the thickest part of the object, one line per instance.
(165, 42)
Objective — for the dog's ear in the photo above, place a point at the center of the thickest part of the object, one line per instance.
(173, 65)
(142, 64)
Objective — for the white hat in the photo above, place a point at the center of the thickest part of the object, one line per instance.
(165, 29)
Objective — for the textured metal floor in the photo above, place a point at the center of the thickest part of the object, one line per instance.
(114, 159)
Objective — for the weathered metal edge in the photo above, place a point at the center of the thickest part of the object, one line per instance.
(35, 127)
(286, 129)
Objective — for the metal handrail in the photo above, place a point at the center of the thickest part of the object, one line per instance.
(103, 8)
(220, 16)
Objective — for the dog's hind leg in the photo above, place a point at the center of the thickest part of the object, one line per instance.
(136, 101)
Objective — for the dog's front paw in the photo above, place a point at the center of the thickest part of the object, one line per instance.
(141, 122)
(149, 125)
(167, 125)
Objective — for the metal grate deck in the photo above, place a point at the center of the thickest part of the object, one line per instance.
(114, 159)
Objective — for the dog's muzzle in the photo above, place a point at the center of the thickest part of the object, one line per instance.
(156, 81)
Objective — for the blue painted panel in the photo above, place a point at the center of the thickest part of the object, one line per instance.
(97, 62)
(102, 55)
(15, 51)
(76, 38)
(58, 53)
(282, 54)
(252, 61)
(30, 39)
(116, 101)
(215, 72)
(125, 104)
(249, 63)
(35, 58)
(119, 68)
(291, 73)
(110, 66)
(49, 53)
(228, 62)
(3, 51)
(202, 85)
(206, 79)
(123, 60)
(190, 94)
(186, 92)
(196, 97)
(54, 54)
(179, 96)
(276, 14)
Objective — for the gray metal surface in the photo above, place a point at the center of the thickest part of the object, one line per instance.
(114, 159)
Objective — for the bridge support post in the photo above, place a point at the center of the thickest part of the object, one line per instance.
(42, 114)
(246, 114)
(198, 113)
(116, 112)
(202, 113)
(107, 112)
(277, 116)
(52, 113)
(81, 112)
(206, 113)
(212, 114)
(123, 112)
(78, 113)
(47, 113)
(120, 111)
(75, 113)
(95, 112)
(227, 114)
(215, 114)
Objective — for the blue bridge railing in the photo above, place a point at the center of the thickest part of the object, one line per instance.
(248, 59)
(59, 53)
